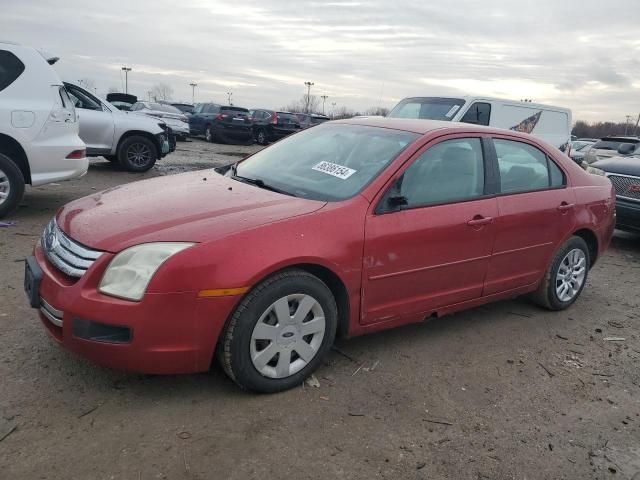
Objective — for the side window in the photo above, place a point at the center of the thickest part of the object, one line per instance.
(479, 113)
(524, 168)
(266, 115)
(10, 68)
(198, 108)
(211, 108)
(450, 171)
(82, 100)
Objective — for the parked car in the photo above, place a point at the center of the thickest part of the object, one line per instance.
(221, 123)
(607, 147)
(346, 228)
(624, 173)
(310, 119)
(39, 140)
(270, 126)
(550, 123)
(122, 101)
(174, 118)
(133, 141)
(579, 148)
(183, 107)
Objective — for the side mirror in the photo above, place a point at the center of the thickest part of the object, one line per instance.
(626, 148)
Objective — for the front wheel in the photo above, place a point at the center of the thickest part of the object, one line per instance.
(279, 333)
(261, 137)
(566, 276)
(137, 154)
(208, 133)
(11, 185)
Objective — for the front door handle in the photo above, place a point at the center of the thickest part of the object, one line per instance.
(479, 220)
(564, 206)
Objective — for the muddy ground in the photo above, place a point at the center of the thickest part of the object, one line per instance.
(502, 391)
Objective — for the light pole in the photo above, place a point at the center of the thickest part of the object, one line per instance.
(193, 91)
(126, 71)
(324, 98)
(309, 85)
(229, 95)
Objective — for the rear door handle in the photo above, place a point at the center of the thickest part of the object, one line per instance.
(563, 207)
(479, 221)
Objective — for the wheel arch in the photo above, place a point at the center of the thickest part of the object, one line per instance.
(591, 240)
(140, 133)
(12, 148)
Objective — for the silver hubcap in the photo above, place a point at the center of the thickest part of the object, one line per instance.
(287, 336)
(139, 154)
(207, 135)
(5, 187)
(571, 275)
(261, 137)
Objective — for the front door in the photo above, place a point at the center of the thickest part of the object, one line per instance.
(96, 122)
(536, 213)
(429, 242)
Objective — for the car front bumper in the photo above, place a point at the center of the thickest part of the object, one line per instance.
(627, 215)
(165, 333)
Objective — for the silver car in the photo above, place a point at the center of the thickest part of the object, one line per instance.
(173, 117)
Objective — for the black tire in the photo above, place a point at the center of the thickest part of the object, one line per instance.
(137, 154)
(234, 347)
(547, 296)
(11, 185)
(208, 133)
(261, 137)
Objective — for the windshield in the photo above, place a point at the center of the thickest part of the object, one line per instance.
(580, 145)
(429, 108)
(329, 162)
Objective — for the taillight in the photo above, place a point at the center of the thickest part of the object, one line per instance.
(77, 154)
(221, 116)
(274, 120)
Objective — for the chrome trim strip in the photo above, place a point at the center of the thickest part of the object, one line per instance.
(53, 314)
(65, 253)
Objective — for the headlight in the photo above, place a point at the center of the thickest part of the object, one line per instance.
(595, 171)
(130, 272)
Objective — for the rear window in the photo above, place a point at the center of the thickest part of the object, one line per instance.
(235, 109)
(287, 117)
(429, 108)
(10, 68)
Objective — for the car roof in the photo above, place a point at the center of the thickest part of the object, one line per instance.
(417, 125)
(480, 98)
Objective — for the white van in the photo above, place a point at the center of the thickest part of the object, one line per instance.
(552, 124)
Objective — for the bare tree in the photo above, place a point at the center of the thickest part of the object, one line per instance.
(88, 84)
(377, 111)
(162, 91)
(344, 112)
(300, 106)
(583, 129)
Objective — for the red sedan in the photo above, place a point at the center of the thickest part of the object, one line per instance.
(343, 229)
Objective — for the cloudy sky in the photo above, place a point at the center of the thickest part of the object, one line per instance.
(584, 54)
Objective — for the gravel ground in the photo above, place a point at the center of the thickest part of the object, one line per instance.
(498, 392)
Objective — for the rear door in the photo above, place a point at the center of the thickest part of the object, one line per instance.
(536, 212)
(433, 249)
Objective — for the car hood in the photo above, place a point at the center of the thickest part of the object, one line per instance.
(191, 207)
(621, 165)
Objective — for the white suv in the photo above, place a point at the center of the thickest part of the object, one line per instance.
(39, 140)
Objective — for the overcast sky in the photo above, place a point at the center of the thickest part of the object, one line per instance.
(581, 54)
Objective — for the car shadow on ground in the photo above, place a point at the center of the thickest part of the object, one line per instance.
(626, 242)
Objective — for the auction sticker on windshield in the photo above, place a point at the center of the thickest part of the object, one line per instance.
(334, 169)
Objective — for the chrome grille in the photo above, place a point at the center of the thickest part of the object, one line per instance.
(66, 254)
(626, 186)
(53, 314)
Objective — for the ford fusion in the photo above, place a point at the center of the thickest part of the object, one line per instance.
(343, 229)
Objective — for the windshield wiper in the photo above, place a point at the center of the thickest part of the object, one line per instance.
(258, 183)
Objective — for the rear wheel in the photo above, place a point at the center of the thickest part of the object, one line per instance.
(279, 333)
(11, 185)
(137, 154)
(261, 137)
(566, 277)
(208, 133)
